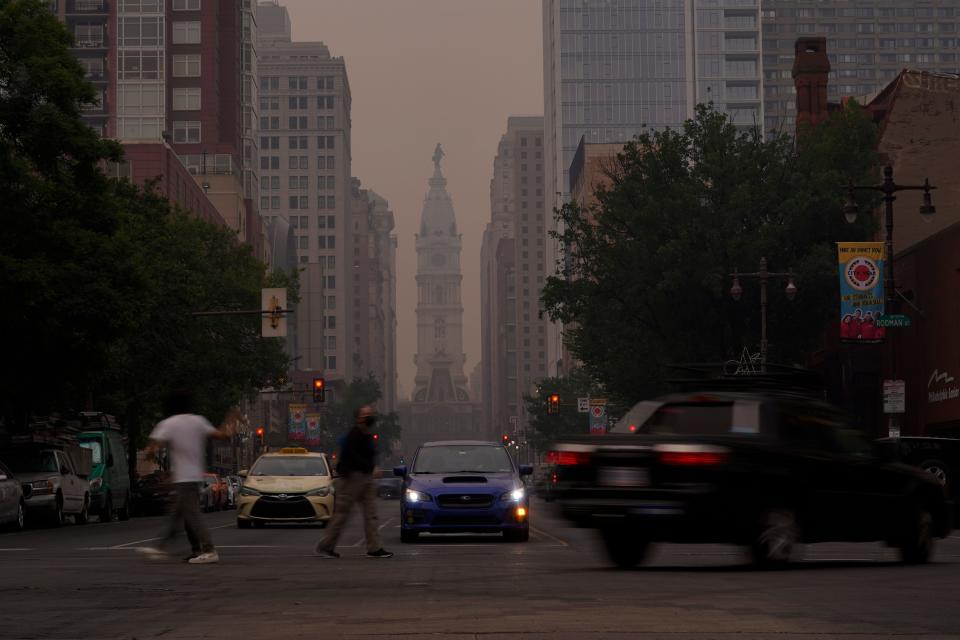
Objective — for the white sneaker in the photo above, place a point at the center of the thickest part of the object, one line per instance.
(210, 557)
(153, 553)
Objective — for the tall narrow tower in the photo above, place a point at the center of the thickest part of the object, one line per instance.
(441, 407)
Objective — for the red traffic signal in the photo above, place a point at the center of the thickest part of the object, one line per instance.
(506, 438)
(260, 432)
(554, 404)
(319, 389)
(376, 436)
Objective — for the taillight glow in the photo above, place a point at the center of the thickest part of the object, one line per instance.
(693, 458)
(568, 458)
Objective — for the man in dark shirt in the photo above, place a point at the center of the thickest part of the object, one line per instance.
(355, 484)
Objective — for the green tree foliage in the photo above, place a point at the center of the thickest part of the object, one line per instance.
(546, 427)
(646, 280)
(98, 277)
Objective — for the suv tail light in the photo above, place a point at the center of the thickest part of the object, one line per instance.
(568, 458)
(692, 455)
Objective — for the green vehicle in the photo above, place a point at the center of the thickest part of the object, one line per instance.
(110, 475)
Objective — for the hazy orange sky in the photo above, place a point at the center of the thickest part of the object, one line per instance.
(423, 72)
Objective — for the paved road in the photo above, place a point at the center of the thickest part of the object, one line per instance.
(89, 582)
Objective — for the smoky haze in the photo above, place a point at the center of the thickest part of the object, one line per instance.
(423, 72)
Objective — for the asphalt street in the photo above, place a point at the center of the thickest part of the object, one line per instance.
(89, 582)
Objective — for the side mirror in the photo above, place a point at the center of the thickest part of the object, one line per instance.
(110, 460)
(64, 470)
(400, 471)
(242, 473)
(526, 469)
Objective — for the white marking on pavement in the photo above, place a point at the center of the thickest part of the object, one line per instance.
(17, 549)
(128, 544)
(380, 528)
(547, 535)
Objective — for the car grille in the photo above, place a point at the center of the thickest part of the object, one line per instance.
(465, 521)
(465, 501)
(294, 506)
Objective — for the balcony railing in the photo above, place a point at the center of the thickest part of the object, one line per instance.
(87, 7)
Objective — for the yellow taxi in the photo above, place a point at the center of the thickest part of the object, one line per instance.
(291, 485)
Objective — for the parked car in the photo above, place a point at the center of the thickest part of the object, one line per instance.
(53, 486)
(464, 486)
(154, 494)
(213, 493)
(938, 456)
(762, 469)
(110, 493)
(12, 508)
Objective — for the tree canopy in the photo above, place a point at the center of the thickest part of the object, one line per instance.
(646, 282)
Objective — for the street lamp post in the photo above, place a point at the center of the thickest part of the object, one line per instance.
(892, 304)
(764, 276)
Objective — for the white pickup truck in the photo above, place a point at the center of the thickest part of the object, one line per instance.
(54, 483)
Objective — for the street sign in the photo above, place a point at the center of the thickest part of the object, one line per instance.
(598, 416)
(583, 405)
(598, 401)
(273, 304)
(894, 396)
(894, 321)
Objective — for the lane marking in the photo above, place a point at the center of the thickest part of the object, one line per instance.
(18, 549)
(127, 544)
(363, 539)
(543, 533)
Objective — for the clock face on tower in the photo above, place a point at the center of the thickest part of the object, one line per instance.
(438, 260)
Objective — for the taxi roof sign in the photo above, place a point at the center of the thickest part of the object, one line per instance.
(299, 450)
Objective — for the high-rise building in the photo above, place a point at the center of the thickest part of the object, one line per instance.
(304, 155)
(868, 45)
(514, 332)
(615, 69)
(373, 308)
(440, 407)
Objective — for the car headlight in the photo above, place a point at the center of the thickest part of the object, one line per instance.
(322, 492)
(247, 491)
(418, 496)
(516, 495)
(40, 487)
(96, 483)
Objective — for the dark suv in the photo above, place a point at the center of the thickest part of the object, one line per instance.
(765, 470)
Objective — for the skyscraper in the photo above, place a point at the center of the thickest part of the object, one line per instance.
(304, 150)
(614, 69)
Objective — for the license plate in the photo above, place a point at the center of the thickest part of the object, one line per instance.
(624, 477)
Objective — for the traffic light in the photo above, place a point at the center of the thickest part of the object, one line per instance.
(554, 405)
(260, 433)
(505, 439)
(319, 390)
(376, 436)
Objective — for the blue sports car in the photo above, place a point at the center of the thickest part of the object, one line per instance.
(464, 486)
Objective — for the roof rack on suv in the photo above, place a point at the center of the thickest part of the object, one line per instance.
(777, 379)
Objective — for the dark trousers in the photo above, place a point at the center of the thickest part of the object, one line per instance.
(186, 515)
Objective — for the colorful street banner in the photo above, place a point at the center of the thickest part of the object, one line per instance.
(297, 429)
(861, 291)
(313, 429)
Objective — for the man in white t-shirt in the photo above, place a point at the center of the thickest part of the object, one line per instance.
(185, 436)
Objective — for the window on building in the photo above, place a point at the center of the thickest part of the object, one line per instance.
(304, 242)
(297, 83)
(332, 363)
(186, 131)
(186, 98)
(186, 32)
(186, 66)
(186, 5)
(274, 202)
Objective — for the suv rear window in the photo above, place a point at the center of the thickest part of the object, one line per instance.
(704, 418)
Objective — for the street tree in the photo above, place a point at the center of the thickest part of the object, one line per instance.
(645, 283)
(341, 412)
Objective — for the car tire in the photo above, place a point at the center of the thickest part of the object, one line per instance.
(917, 545)
(407, 536)
(56, 518)
(777, 535)
(124, 512)
(939, 471)
(84, 516)
(517, 535)
(243, 524)
(625, 547)
(106, 514)
(20, 522)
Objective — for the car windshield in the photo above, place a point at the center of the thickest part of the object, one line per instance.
(44, 461)
(95, 449)
(294, 466)
(704, 418)
(461, 458)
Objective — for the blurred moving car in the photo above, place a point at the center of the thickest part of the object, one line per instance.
(937, 456)
(767, 470)
(464, 486)
(153, 494)
(12, 508)
(53, 487)
(292, 485)
(389, 487)
(109, 479)
(213, 493)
